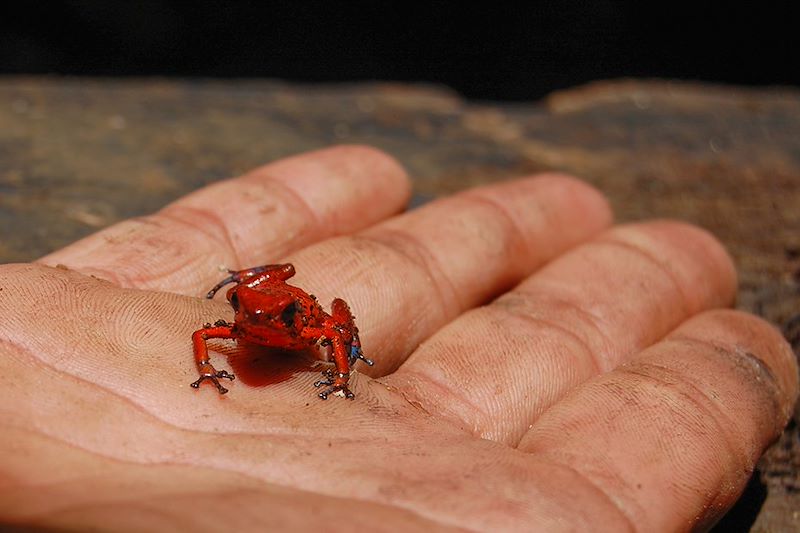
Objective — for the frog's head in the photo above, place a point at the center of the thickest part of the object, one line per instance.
(275, 310)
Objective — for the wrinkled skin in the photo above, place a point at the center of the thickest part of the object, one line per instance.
(536, 367)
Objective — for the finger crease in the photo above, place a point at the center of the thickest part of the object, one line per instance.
(412, 251)
(537, 321)
(660, 265)
(445, 391)
(514, 231)
(671, 380)
(204, 222)
(319, 226)
(583, 477)
(602, 361)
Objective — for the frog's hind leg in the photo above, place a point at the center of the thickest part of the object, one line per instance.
(254, 276)
(204, 366)
(342, 333)
(336, 381)
(342, 317)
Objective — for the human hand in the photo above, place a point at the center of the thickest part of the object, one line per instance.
(597, 388)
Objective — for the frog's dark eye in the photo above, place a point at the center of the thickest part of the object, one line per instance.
(288, 314)
(235, 301)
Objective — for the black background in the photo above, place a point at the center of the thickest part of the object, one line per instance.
(483, 50)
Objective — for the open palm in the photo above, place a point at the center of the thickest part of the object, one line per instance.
(534, 368)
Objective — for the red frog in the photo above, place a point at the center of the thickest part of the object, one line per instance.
(272, 313)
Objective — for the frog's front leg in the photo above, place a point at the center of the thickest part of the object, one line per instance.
(220, 330)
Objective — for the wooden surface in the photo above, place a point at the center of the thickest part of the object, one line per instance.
(77, 155)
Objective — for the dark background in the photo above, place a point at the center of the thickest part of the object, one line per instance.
(485, 51)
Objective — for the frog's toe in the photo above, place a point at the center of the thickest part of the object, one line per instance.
(333, 389)
(214, 377)
(334, 382)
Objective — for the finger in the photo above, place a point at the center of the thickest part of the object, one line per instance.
(671, 436)
(497, 368)
(255, 219)
(410, 275)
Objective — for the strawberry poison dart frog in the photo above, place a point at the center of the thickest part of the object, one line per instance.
(270, 312)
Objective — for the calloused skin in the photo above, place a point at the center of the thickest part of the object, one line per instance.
(537, 368)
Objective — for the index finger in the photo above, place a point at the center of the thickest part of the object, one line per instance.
(254, 219)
